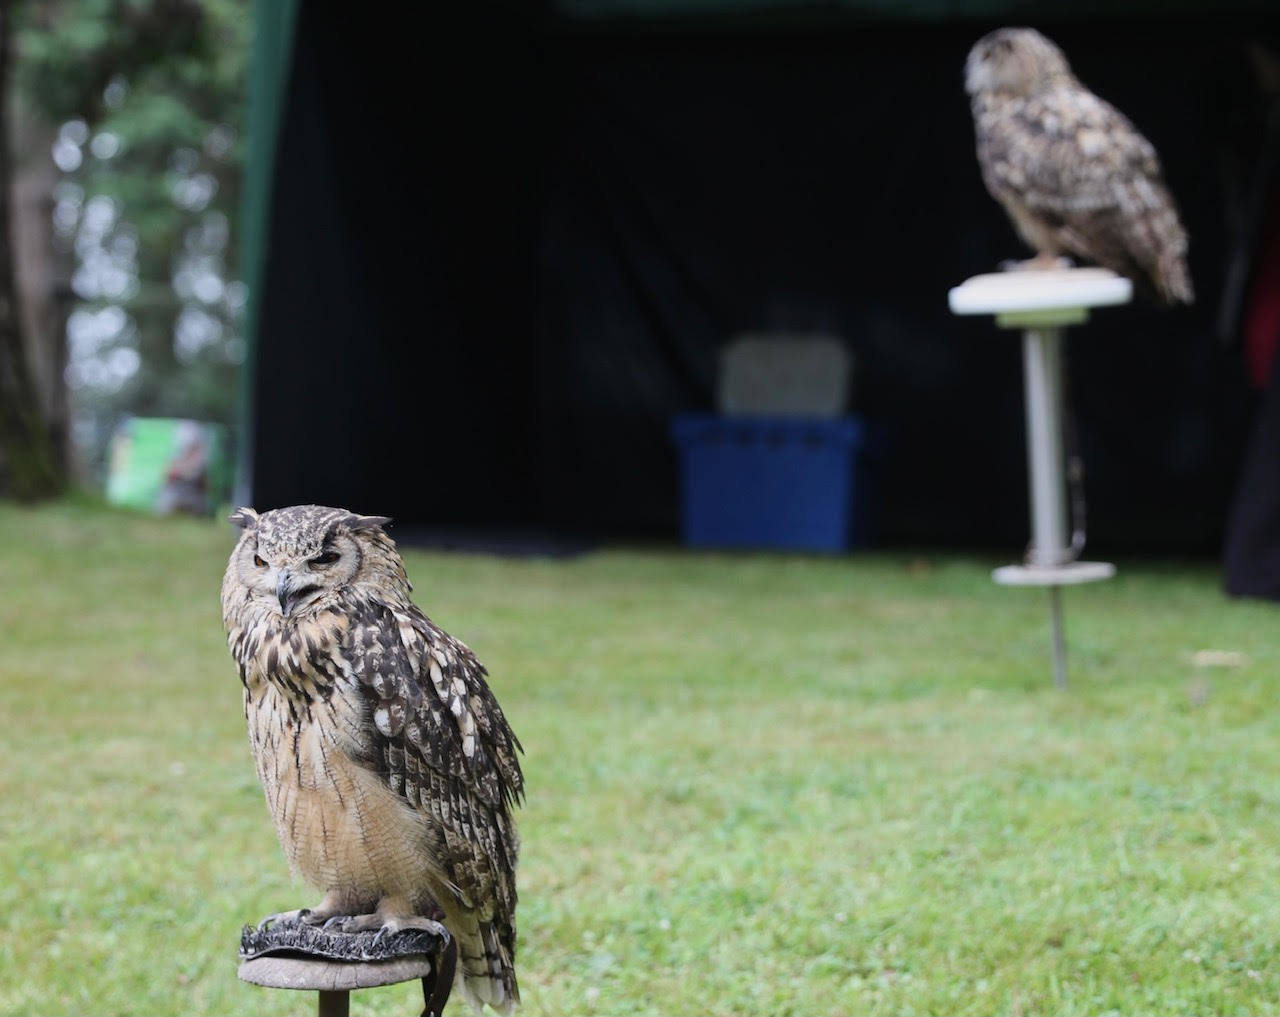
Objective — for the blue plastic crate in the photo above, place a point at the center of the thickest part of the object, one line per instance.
(772, 482)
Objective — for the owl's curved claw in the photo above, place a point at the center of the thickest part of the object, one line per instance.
(394, 925)
(285, 918)
(352, 923)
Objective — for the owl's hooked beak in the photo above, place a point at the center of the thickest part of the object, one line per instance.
(288, 594)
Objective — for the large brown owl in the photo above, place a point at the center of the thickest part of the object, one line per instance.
(1073, 173)
(388, 766)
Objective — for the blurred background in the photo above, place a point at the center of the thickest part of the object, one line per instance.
(126, 124)
(484, 255)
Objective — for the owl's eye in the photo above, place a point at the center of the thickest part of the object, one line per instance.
(325, 558)
(257, 560)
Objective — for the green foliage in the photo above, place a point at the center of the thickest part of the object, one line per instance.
(57, 45)
(757, 784)
(151, 94)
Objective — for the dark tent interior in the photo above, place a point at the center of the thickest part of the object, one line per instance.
(505, 244)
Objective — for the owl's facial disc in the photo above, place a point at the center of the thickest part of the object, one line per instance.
(299, 580)
(294, 590)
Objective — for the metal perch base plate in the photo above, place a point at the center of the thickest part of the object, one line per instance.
(1071, 574)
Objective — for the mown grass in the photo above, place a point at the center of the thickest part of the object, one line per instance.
(757, 784)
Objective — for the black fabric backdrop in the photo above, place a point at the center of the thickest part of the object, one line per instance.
(504, 251)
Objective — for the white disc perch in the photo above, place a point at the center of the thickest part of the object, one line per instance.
(1041, 304)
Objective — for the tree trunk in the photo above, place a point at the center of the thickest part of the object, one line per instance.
(42, 272)
(33, 466)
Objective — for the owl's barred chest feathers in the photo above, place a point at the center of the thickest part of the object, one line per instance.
(301, 675)
(307, 714)
(302, 658)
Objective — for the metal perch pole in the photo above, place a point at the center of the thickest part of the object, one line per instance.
(1041, 303)
(1046, 475)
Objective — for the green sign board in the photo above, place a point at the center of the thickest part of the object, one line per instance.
(166, 465)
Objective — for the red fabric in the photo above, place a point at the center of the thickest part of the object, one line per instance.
(1262, 319)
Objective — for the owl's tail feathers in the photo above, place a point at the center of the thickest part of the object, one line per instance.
(486, 973)
(1155, 241)
(1173, 280)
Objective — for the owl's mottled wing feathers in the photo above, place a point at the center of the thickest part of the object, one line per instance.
(1075, 163)
(442, 743)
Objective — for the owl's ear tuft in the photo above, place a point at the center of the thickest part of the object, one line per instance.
(357, 523)
(245, 517)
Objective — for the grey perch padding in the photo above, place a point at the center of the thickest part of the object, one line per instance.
(314, 941)
(294, 955)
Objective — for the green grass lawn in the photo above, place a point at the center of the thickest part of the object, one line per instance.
(758, 785)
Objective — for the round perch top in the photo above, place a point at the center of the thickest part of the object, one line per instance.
(298, 956)
(1068, 291)
(277, 972)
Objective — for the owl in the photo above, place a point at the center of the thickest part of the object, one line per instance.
(388, 766)
(1073, 173)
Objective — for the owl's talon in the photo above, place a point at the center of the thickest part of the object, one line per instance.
(285, 918)
(394, 925)
(352, 923)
